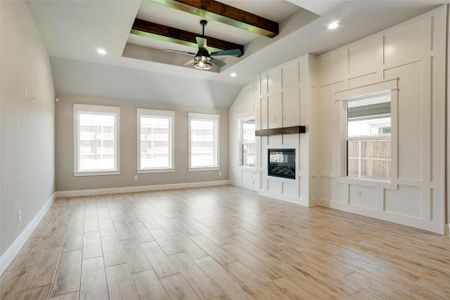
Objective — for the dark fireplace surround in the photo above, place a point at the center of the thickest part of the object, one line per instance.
(281, 163)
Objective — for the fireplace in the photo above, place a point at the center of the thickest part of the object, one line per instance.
(281, 163)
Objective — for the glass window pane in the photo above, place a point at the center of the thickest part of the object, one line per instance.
(155, 142)
(96, 143)
(248, 143)
(369, 136)
(203, 143)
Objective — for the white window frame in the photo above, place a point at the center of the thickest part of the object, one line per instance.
(343, 97)
(97, 109)
(241, 139)
(166, 114)
(364, 138)
(203, 116)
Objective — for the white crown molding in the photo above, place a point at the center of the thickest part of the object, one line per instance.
(142, 188)
(20, 241)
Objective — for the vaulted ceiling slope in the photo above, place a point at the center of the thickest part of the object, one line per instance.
(73, 77)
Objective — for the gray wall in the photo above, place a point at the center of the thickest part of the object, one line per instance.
(26, 121)
(65, 180)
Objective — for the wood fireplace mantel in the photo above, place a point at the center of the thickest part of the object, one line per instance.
(281, 130)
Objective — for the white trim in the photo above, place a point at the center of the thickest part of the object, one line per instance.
(368, 89)
(244, 186)
(281, 179)
(202, 116)
(97, 109)
(381, 215)
(283, 197)
(254, 168)
(241, 141)
(166, 114)
(201, 169)
(10, 253)
(94, 173)
(150, 171)
(388, 86)
(142, 188)
(156, 112)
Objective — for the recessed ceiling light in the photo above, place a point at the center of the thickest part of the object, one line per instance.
(101, 51)
(333, 25)
(233, 74)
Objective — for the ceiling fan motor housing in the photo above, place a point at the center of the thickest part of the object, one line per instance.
(202, 52)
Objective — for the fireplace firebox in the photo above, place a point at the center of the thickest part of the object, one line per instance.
(281, 163)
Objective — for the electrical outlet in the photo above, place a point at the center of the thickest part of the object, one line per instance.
(136, 178)
(359, 194)
(19, 216)
(220, 173)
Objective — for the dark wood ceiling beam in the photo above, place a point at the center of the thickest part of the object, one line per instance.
(178, 36)
(217, 11)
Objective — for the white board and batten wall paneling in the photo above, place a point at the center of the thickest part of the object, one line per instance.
(412, 52)
(245, 106)
(284, 89)
(279, 98)
(301, 93)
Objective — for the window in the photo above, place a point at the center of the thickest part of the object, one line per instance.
(369, 136)
(96, 139)
(248, 146)
(155, 140)
(203, 141)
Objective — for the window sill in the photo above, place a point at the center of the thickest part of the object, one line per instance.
(204, 169)
(105, 173)
(154, 171)
(366, 181)
(248, 167)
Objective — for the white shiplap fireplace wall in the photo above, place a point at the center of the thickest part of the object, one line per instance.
(411, 54)
(281, 97)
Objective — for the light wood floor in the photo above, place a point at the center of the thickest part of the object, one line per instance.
(222, 243)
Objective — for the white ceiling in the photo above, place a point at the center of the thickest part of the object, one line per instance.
(157, 44)
(73, 29)
(275, 10)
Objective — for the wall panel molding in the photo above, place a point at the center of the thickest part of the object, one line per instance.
(409, 54)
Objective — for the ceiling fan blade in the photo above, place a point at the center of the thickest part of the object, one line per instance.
(230, 52)
(189, 62)
(179, 52)
(201, 42)
(217, 62)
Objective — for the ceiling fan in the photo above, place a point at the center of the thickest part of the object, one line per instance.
(203, 59)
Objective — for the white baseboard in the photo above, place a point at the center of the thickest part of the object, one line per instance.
(292, 199)
(375, 213)
(142, 188)
(15, 247)
(247, 187)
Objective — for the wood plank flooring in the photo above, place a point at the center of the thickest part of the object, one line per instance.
(222, 243)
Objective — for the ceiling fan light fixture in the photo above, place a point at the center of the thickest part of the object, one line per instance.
(202, 62)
